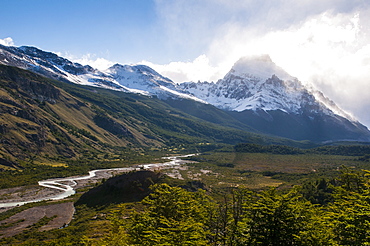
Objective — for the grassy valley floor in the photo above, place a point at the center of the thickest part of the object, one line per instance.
(216, 172)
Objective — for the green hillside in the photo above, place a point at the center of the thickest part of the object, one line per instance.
(51, 120)
(54, 129)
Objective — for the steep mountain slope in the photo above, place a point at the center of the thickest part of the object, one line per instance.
(39, 118)
(47, 118)
(258, 84)
(52, 66)
(265, 97)
(133, 79)
(256, 95)
(142, 79)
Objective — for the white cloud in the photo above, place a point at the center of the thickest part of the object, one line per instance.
(7, 41)
(332, 52)
(326, 43)
(198, 69)
(92, 60)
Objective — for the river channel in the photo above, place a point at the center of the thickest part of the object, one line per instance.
(67, 185)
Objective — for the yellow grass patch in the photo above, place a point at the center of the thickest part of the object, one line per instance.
(52, 164)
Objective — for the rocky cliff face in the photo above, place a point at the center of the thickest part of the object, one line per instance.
(259, 93)
(259, 84)
(255, 87)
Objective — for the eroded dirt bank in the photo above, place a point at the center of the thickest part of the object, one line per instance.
(61, 213)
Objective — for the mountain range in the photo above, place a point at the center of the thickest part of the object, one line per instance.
(255, 96)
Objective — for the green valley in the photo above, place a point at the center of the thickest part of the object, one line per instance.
(224, 198)
(59, 124)
(242, 187)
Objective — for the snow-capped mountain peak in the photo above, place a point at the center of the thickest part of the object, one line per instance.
(142, 76)
(256, 91)
(139, 79)
(253, 83)
(260, 67)
(144, 80)
(257, 83)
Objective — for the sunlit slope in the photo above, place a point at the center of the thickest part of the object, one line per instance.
(43, 117)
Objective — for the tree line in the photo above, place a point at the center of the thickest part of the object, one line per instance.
(347, 150)
(320, 213)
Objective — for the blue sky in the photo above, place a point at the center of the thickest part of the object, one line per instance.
(159, 31)
(117, 30)
(325, 43)
(126, 31)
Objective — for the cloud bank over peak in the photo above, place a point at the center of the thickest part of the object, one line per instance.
(90, 59)
(199, 69)
(326, 43)
(7, 41)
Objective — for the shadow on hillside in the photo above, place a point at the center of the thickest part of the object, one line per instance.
(129, 187)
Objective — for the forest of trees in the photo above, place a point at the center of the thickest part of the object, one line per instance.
(345, 150)
(333, 211)
(317, 213)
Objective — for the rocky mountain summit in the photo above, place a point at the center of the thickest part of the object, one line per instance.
(255, 92)
(261, 94)
(256, 83)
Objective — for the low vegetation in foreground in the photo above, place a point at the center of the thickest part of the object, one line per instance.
(269, 196)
